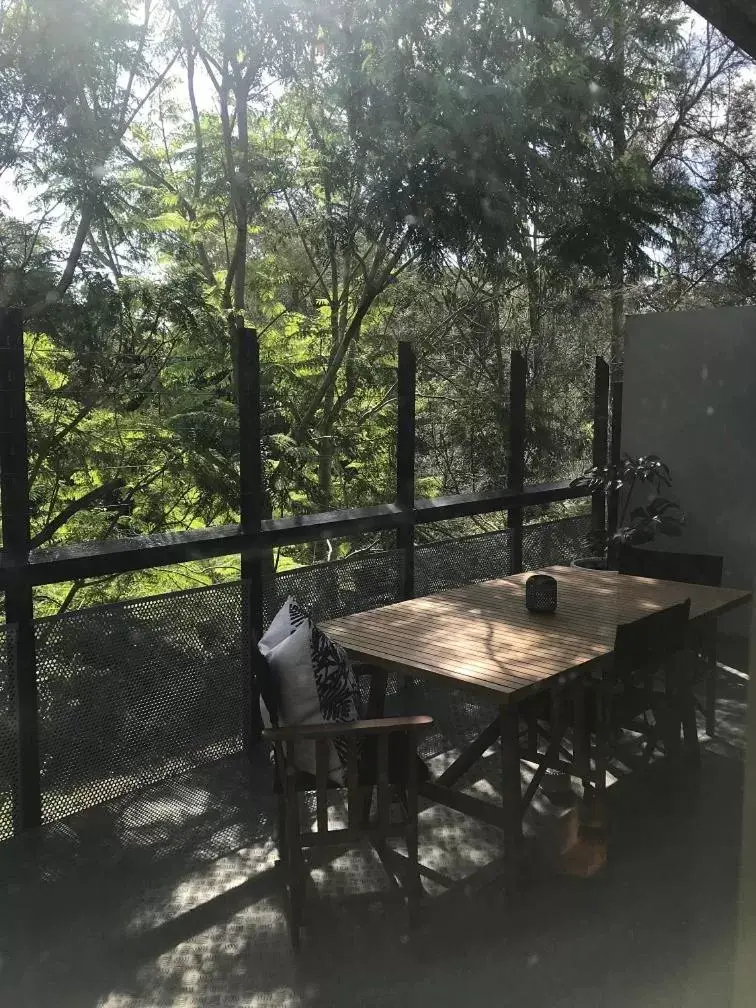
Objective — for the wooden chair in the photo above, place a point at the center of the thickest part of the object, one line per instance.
(381, 760)
(692, 568)
(622, 698)
(649, 676)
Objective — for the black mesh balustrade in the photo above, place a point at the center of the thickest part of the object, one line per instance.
(557, 542)
(452, 563)
(8, 732)
(134, 692)
(340, 588)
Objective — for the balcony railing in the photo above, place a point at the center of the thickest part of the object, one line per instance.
(99, 701)
(132, 692)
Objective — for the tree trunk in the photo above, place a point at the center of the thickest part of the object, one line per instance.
(535, 303)
(501, 404)
(325, 454)
(618, 250)
(324, 434)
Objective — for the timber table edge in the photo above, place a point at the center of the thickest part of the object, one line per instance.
(501, 697)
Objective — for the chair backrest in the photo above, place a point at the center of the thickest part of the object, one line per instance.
(651, 639)
(694, 568)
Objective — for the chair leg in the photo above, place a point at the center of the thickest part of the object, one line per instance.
(411, 809)
(295, 875)
(669, 725)
(604, 731)
(581, 735)
(651, 739)
(281, 838)
(532, 737)
(296, 881)
(583, 745)
(511, 793)
(711, 698)
(689, 722)
(594, 800)
(375, 709)
(671, 715)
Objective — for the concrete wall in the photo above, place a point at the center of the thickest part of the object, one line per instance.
(690, 396)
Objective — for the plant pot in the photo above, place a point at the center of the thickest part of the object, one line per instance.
(594, 563)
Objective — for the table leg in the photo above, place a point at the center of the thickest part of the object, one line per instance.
(711, 684)
(687, 700)
(376, 707)
(597, 811)
(581, 742)
(511, 790)
(377, 698)
(708, 650)
(470, 756)
(672, 712)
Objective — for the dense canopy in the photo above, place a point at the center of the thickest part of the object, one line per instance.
(472, 175)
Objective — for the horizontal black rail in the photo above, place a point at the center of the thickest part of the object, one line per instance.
(118, 556)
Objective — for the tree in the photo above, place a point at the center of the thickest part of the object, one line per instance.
(477, 177)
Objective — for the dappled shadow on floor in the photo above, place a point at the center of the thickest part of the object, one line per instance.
(173, 899)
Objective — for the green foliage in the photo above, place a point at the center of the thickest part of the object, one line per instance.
(477, 177)
(638, 523)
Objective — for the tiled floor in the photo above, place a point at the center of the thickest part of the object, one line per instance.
(172, 899)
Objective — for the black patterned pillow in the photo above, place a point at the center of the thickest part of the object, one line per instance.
(316, 683)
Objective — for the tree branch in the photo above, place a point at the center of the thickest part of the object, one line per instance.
(687, 107)
(80, 504)
(305, 245)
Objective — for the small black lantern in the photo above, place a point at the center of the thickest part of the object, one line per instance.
(541, 593)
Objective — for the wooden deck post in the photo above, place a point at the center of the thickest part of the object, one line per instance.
(19, 598)
(251, 488)
(405, 461)
(517, 422)
(600, 448)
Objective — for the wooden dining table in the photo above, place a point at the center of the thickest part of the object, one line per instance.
(482, 638)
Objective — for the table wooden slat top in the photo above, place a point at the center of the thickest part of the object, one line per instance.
(483, 638)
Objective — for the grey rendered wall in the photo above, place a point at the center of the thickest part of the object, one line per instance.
(690, 396)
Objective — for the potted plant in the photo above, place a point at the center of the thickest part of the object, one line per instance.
(639, 523)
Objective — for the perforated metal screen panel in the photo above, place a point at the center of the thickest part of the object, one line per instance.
(8, 731)
(452, 563)
(456, 562)
(558, 542)
(327, 591)
(134, 692)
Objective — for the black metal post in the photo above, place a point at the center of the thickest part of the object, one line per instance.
(405, 460)
(600, 448)
(250, 512)
(517, 422)
(19, 598)
(615, 452)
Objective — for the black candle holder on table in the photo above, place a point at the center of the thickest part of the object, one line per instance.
(541, 593)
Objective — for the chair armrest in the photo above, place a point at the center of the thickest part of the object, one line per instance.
(376, 726)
